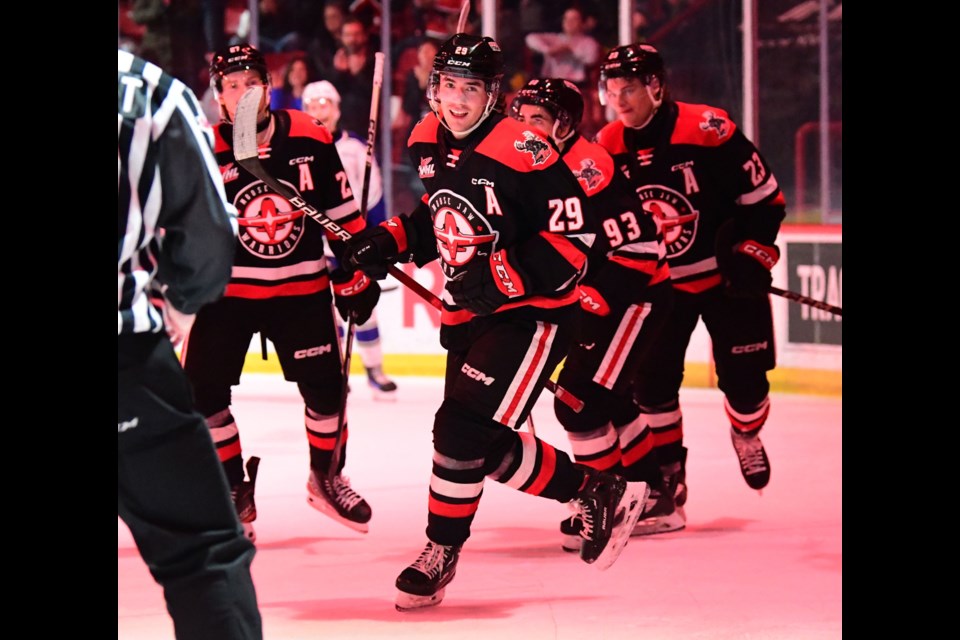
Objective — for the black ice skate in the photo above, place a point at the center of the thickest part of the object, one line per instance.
(754, 464)
(243, 502)
(383, 387)
(338, 500)
(660, 512)
(424, 582)
(609, 507)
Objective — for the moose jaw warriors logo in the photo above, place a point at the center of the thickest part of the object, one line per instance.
(674, 215)
(269, 227)
(718, 123)
(533, 145)
(461, 232)
(589, 175)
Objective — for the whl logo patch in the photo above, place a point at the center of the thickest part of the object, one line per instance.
(426, 168)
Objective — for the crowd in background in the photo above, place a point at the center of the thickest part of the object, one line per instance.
(310, 40)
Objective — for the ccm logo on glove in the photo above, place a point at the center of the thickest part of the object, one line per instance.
(506, 282)
(767, 256)
(358, 283)
(592, 302)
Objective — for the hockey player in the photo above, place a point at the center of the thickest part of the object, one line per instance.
(626, 296)
(280, 286)
(322, 101)
(720, 208)
(505, 219)
(171, 492)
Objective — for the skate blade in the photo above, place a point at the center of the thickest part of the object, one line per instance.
(661, 524)
(324, 507)
(248, 531)
(410, 602)
(632, 503)
(383, 396)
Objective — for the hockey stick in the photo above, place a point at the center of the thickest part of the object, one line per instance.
(247, 156)
(464, 14)
(364, 197)
(813, 302)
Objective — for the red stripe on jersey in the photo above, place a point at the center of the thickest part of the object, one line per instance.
(543, 302)
(699, 286)
(604, 462)
(447, 510)
(614, 363)
(645, 265)
(668, 436)
(229, 451)
(611, 138)
(425, 131)
(262, 292)
(324, 443)
(354, 226)
(548, 467)
(662, 273)
(303, 125)
(534, 365)
(640, 449)
(749, 426)
(570, 252)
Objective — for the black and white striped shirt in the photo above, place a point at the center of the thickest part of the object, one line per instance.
(175, 228)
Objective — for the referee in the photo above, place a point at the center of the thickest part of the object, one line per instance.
(175, 245)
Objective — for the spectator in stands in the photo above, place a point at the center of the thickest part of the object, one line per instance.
(415, 105)
(570, 54)
(326, 38)
(298, 74)
(352, 74)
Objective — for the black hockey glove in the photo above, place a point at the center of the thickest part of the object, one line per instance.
(476, 290)
(355, 294)
(748, 269)
(374, 249)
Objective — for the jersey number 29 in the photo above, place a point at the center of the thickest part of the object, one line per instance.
(565, 215)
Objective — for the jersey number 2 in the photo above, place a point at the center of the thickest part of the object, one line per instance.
(345, 190)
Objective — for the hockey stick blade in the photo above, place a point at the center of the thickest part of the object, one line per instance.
(812, 302)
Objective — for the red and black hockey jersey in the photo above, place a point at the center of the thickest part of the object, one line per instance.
(501, 196)
(628, 254)
(279, 249)
(694, 170)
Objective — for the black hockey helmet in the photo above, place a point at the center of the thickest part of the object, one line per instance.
(639, 60)
(560, 97)
(468, 56)
(237, 58)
